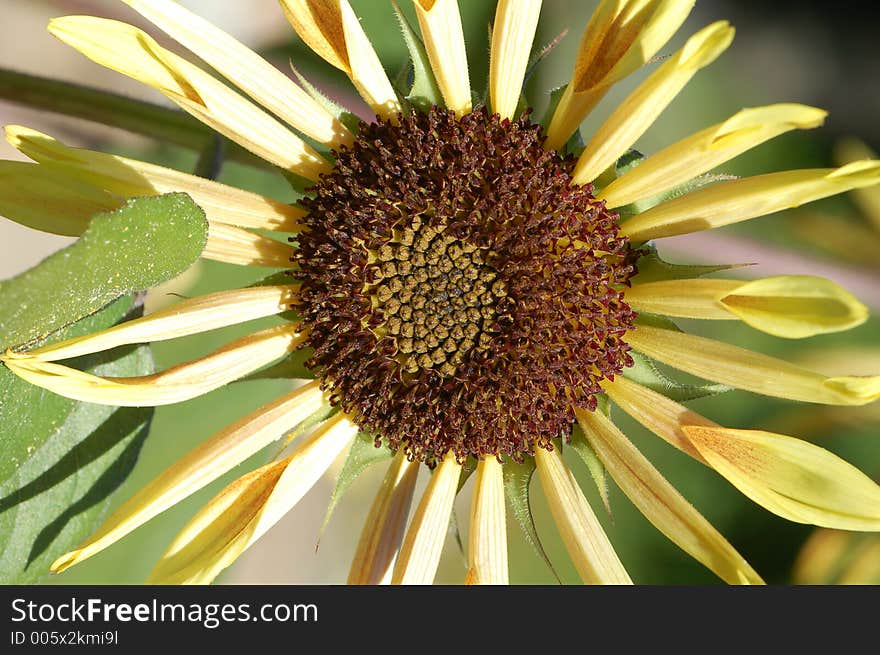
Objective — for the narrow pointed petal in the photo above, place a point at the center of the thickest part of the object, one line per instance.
(48, 200)
(792, 478)
(661, 504)
(177, 384)
(751, 371)
(420, 553)
(620, 38)
(586, 541)
(789, 306)
(193, 316)
(867, 198)
(201, 466)
(234, 245)
(333, 31)
(821, 557)
(659, 414)
(245, 510)
(132, 52)
(128, 177)
(513, 34)
(641, 108)
(440, 23)
(385, 525)
(487, 555)
(708, 149)
(246, 69)
(739, 200)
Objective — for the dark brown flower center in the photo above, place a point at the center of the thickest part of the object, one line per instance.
(458, 291)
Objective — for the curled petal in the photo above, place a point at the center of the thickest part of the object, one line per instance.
(211, 459)
(487, 555)
(242, 513)
(512, 36)
(440, 23)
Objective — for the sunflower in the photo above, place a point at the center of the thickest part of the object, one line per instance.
(472, 289)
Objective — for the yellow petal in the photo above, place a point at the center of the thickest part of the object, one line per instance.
(177, 384)
(487, 555)
(586, 542)
(512, 36)
(420, 554)
(744, 369)
(440, 23)
(865, 566)
(661, 504)
(821, 557)
(333, 31)
(789, 306)
(193, 316)
(738, 200)
(621, 36)
(242, 513)
(638, 112)
(50, 201)
(659, 414)
(868, 198)
(132, 52)
(246, 69)
(129, 177)
(383, 530)
(790, 477)
(707, 149)
(201, 466)
(234, 245)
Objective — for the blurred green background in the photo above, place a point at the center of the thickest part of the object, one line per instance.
(821, 53)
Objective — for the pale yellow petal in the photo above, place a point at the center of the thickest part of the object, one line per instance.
(128, 177)
(621, 36)
(201, 466)
(423, 544)
(132, 52)
(864, 568)
(513, 33)
(246, 69)
(868, 198)
(192, 316)
(333, 31)
(48, 200)
(586, 541)
(234, 245)
(789, 306)
(440, 23)
(659, 414)
(821, 557)
(661, 504)
(487, 554)
(744, 369)
(245, 510)
(707, 149)
(739, 200)
(792, 478)
(179, 383)
(383, 530)
(638, 112)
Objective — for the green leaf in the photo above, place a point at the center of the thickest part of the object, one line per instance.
(585, 451)
(362, 454)
(652, 268)
(645, 372)
(63, 459)
(424, 93)
(145, 243)
(517, 478)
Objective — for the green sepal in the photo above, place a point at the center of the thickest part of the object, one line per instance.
(349, 120)
(645, 371)
(144, 243)
(424, 92)
(361, 456)
(63, 460)
(517, 478)
(652, 268)
(584, 450)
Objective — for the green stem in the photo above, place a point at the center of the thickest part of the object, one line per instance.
(145, 118)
